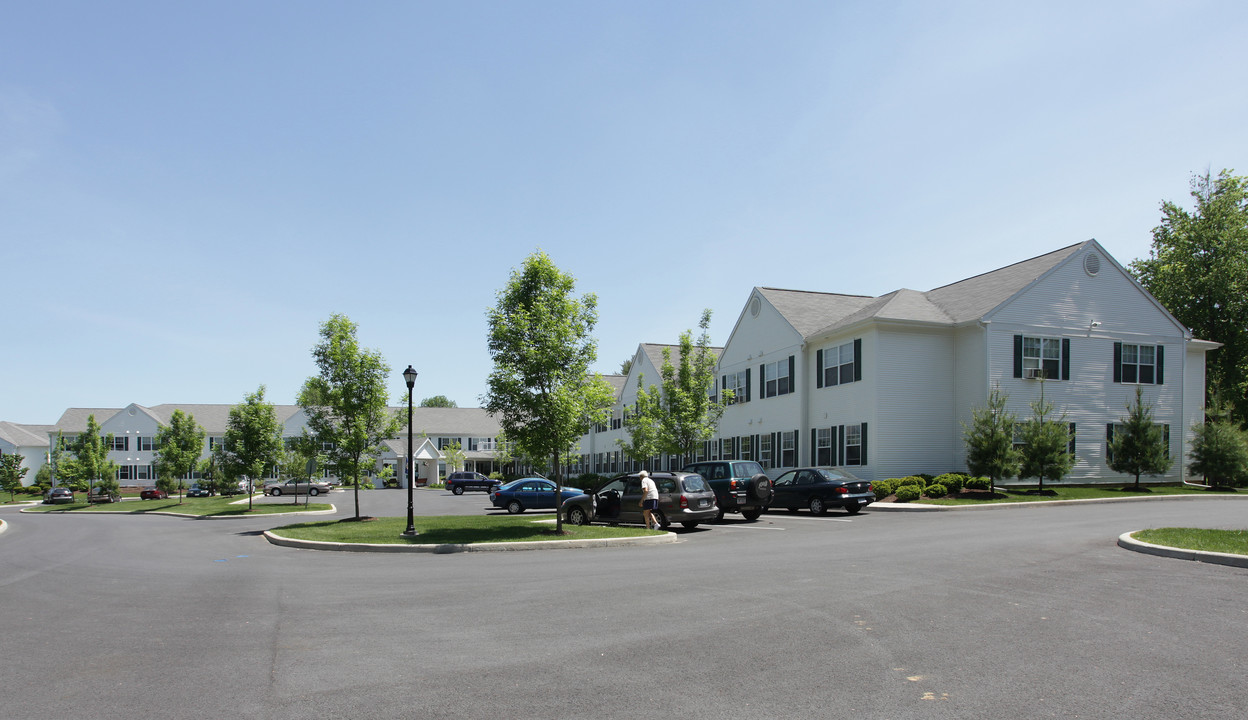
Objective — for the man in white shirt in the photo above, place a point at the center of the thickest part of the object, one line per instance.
(649, 500)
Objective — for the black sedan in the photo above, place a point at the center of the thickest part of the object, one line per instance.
(820, 489)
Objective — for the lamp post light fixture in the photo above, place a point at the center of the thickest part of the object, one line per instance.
(409, 376)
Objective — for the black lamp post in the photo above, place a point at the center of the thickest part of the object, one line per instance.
(409, 376)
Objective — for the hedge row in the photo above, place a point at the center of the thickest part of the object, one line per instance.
(913, 487)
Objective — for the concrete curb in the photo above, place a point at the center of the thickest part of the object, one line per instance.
(470, 547)
(911, 507)
(188, 516)
(1127, 542)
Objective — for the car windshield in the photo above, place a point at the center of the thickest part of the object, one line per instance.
(695, 483)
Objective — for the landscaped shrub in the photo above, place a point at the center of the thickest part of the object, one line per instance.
(915, 480)
(953, 482)
(936, 490)
(884, 488)
(906, 493)
(978, 483)
(926, 478)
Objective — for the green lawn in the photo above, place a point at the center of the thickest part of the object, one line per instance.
(453, 530)
(1223, 541)
(215, 506)
(1017, 495)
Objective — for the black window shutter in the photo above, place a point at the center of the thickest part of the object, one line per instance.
(857, 359)
(1161, 363)
(723, 383)
(1117, 362)
(797, 455)
(819, 368)
(762, 381)
(792, 374)
(813, 460)
(864, 444)
(840, 444)
(747, 386)
(1071, 447)
(1018, 356)
(1065, 358)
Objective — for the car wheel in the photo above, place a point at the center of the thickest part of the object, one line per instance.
(458, 490)
(689, 525)
(817, 507)
(514, 507)
(661, 519)
(275, 492)
(751, 515)
(853, 509)
(578, 516)
(314, 491)
(760, 488)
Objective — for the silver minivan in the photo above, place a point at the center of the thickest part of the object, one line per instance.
(684, 498)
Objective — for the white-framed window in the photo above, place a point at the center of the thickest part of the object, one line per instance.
(764, 450)
(119, 442)
(838, 364)
(729, 445)
(739, 384)
(1042, 355)
(125, 472)
(616, 420)
(443, 442)
(776, 378)
(788, 449)
(1139, 364)
(144, 444)
(823, 447)
(853, 444)
(214, 441)
(745, 447)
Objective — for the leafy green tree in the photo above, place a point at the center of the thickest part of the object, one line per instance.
(438, 401)
(1198, 269)
(11, 473)
(541, 344)
(687, 415)
(253, 439)
(91, 466)
(626, 366)
(1219, 451)
(642, 423)
(43, 476)
(178, 448)
(990, 450)
(454, 457)
(1138, 446)
(346, 403)
(1046, 443)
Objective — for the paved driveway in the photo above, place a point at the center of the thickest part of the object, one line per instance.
(1018, 613)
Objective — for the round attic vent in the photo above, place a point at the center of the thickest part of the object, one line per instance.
(754, 305)
(1092, 264)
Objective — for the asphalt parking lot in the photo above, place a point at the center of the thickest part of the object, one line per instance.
(1020, 613)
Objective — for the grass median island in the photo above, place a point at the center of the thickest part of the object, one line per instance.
(1021, 495)
(200, 507)
(453, 530)
(1234, 542)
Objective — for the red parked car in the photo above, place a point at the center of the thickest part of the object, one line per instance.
(151, 493)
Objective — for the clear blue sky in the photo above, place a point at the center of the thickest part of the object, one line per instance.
(187, 190)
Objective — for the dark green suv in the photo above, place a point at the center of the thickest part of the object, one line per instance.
(739, 485)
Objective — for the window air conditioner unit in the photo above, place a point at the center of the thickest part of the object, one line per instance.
(1033, 373)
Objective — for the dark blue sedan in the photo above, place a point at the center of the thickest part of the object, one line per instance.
(529, 494)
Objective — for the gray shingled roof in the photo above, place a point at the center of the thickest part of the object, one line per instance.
(817, 313)
(654, 351)
(25, 435)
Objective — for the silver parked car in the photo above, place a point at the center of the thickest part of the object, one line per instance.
(296, 487)
(684, 498)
